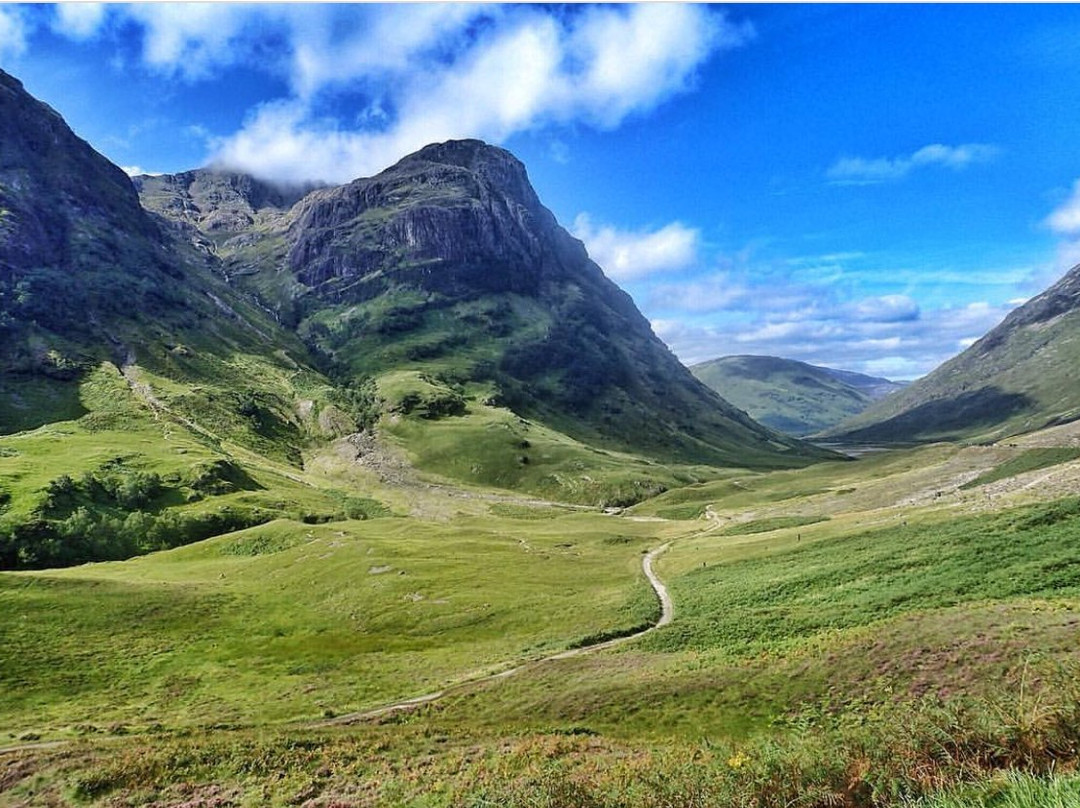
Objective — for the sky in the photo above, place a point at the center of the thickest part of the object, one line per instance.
(868, 187)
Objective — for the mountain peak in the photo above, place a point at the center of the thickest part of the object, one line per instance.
(467, 153)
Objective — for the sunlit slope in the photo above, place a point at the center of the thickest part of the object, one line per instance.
(911, 602)
(289, 621)
(1020, 377)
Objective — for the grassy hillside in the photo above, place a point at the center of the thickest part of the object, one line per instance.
(790, 396)
(1018, 378)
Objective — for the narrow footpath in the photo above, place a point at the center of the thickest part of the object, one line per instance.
(667, 612)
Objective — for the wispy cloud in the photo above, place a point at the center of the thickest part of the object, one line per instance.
(863, 170)
(717, 292)
(898, 349)
(1065, 220)
(628, 255)
(417, 73)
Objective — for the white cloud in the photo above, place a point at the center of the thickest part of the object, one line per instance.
(138, 171)
(898, 350)
(193, 39)
(628, 255)
(79, 20)
(415, 74)
(886, 309)
(862, 170)
(1065, 220)
(720, 292)
(13, 32)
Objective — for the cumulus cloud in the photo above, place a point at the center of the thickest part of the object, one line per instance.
(628, 255)
(862, 170)
(79, 20)
(370, 83)
(897, 350)
(191, 40)
(13, 32)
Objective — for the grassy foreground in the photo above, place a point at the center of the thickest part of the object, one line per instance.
(900, 631)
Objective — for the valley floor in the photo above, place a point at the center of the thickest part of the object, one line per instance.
(895, 630)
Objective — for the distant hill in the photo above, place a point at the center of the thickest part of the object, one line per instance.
(1023, 375)
(791, 396)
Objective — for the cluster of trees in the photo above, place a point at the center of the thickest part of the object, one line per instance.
(88, 534)
(116, 512)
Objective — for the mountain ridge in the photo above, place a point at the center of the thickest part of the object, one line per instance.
(451, 257)
(791, 396)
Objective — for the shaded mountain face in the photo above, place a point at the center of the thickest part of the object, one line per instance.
(447, 263)
(791, 396)
(87, 275)
(67, 216)
(1018, 378)
(85, 271)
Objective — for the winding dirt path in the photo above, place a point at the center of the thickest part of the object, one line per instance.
(667, 612)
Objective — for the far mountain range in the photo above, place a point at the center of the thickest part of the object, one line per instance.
(791, 396)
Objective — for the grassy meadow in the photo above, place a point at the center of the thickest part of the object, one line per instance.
(898, 630)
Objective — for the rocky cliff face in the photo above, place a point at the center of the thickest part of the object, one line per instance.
(448, 261)
(461, 217)
(86, 273)
(58, 197)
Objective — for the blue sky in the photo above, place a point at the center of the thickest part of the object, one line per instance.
(870, 187)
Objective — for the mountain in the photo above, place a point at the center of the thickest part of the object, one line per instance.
(1020, 377)
(791, 396)
(446, 266)
(143, 402)
(87, 275)
(222, 352)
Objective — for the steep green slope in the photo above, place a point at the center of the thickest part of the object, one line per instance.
(447, 265)
(791, 396)
(1018, 378)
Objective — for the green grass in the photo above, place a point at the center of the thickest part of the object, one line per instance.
(509, 452)
(1028, 460)
(834, 668)
(776, 600)
(769, 524)
(288, 621)
(1013, 790)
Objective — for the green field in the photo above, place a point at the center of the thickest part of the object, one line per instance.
(879, 633)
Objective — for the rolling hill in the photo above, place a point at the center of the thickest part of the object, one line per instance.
(1020, 377)
(791, 396)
